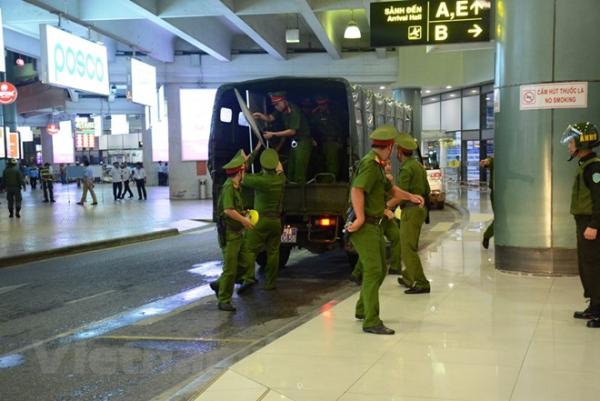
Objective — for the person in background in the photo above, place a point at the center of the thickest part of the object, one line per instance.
(126, 175)
(161, 179)
(46, 175)
(139, 175)
(63, 173)
(34, 175)
(489, 232)
(117, 181)
(166, 173)
(88, 184)
(13, 182)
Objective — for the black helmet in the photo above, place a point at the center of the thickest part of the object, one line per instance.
(584, 134)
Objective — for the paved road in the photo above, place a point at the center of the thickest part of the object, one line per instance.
(133, 322)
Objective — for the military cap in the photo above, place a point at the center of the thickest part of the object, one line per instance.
(406, 141)
(269, 159)
(279, 96)
(12, 162)
(236, 164)
(322, 99)
(384, 135)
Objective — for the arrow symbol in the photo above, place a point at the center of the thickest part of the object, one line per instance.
(476, 30)
(476, 7)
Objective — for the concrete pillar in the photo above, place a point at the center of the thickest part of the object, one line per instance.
(47, 147)
(411, 97)
(540, 41)
(149, 166)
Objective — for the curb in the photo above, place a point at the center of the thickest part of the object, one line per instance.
(91, 246)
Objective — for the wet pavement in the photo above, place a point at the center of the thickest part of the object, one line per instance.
(139, 321)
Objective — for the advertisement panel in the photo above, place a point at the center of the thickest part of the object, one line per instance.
(2, 149)
(143, 83)
(14, 147)
(63, 150)
(196, 113)
(2, 60)
(69, 61)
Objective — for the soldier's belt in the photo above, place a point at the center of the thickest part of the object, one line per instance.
(407, 205)
(377, 220)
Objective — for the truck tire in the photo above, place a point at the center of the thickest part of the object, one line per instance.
(284, 255)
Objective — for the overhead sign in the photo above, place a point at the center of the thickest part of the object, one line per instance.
(2, 59)
(564, 95)
(143, 83)
(69, 61)
(8, 93)
(429, 22)
(84, 141)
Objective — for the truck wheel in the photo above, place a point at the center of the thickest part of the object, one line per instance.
(284, 255)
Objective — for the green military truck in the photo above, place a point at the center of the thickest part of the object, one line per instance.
(313, 213)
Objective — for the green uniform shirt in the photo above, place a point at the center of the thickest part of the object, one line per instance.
(326, 124)
(12, 177)
(269, 187)
(294, 120)
(585, 198)
(413, 178)
(371, 178)
(231, 198)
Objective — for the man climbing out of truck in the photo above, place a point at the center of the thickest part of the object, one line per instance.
(325, 120)
(296, 129)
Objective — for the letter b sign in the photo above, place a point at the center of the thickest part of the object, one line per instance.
(441, 32)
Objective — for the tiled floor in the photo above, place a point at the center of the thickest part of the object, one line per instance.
(481, 335)
(44, 226)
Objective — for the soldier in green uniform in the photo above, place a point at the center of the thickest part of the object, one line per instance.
(13, 182)
(368, 192)
(489, 232)
(391, 232)
(268, 187)
(296, 130)
(329, 131)
(581, 138)
(231, 233)
(412, 178)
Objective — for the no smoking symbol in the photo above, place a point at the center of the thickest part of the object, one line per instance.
(529, 97)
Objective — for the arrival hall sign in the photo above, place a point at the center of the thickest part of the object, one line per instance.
(428, 22)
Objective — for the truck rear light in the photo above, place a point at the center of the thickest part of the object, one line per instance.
(325, 222)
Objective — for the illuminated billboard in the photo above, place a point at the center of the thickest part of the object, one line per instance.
(69, 61)
(143, 83)
(63, 148)
(196, 112)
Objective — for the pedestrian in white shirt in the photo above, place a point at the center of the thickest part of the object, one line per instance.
(117, 180)
(126, 175)
(88, 184)
(139, 175)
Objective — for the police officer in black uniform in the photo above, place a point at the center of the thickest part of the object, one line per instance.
(581, 138)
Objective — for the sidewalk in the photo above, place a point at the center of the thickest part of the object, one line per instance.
(480, 335)
(49, 226)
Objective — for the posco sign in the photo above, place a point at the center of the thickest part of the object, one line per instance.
(69, 61)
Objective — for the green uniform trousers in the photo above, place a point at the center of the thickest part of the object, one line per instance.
(331, 151)
(231, 253)
(588, 259)
(298, 160)
(265, 235)
(489, 232)
(410, 231)
(368, 242)
(391, 231)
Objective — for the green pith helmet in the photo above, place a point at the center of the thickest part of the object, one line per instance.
(236, 163)
(406, 141)
(269, 159)
(12, 162)
(585, 135)
(384, 133)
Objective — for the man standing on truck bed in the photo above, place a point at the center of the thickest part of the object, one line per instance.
(329, 131)
(296, 129)
(369, 188)
(412, 178)
(268, 188)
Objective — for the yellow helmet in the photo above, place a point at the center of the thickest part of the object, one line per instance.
(253, 216)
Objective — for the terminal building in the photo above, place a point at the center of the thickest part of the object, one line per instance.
(110, 298)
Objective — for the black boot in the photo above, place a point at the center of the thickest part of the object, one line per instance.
(18, 213)
(10, 213)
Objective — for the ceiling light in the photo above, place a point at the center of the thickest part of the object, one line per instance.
(352, 30)
(449, 87)
(452, 95)
(474, 91)
(382, 87)
(428, 91)
(292, 36)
